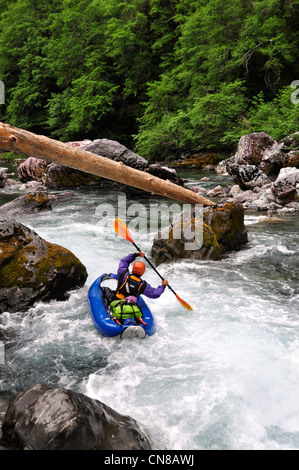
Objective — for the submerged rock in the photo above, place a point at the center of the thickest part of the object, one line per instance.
(202, 236)
(32, 269)
(32, 202)
(50, 418)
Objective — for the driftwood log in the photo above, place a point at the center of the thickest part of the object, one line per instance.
(20, 141)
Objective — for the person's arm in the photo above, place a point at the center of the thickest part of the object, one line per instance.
(153, 292)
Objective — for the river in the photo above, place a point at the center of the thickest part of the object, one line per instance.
(224, 376)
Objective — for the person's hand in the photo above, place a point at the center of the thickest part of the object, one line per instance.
(141, 253)
(165, 283)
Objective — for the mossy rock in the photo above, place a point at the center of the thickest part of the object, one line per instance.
(227, 223)
(222, 230)
(33, 269)
(30, 203)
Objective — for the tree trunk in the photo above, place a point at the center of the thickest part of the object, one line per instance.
(17, 140)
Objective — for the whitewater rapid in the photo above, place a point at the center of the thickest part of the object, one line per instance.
(225, 376)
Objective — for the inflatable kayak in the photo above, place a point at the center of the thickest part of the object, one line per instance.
(99, 297)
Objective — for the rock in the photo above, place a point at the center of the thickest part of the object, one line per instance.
(3, 176)
(206, 161)
(51, 418)
(291, 142)
(209, 168)
(217, 191)
(80, 143)
(32, 269)
(164, 173)
(60, 176)
(227, 222)
(167, 246)
(11, 182)
(30, 203)
(32, 169)
(247, 176)
(219, 230)
(116, 151)
(199, 190)
(6, 334)
(272, 161)
(221, 168)
(251, 148)
(284, 188)
(246, 196)
(258, 162)
(292, 159)
(57, 176)
(235, 190)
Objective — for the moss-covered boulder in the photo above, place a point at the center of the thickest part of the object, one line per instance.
(30, 203)
(203, 234)
(32, 269)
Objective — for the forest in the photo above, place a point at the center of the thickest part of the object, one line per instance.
(164, 77)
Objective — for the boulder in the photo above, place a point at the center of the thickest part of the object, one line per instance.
(32, 202)
(32, 269)
(221, 168)
(290, 142)
(273, 160)
(32, 169)
(216, 192)
(116, 151)
(247, 176)
(292, 159)
(3, 176)
(60, 176)
(164, 173)
(251, 148)
(56, 176)
(218, 230)
(227, 223)
(46, 417)
(258, 160)
(284, 188)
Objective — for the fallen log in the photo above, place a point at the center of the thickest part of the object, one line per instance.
(17, 140)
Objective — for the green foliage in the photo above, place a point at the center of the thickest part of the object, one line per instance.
(168, 76)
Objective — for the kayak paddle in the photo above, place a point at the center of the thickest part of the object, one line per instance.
(122, 230)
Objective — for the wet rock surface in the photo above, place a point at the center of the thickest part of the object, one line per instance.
(33, 269)
(46, 417)
(201, 235)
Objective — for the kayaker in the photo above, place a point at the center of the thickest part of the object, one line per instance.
(131, 284)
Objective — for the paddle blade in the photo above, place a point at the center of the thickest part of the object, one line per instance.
(184, 303)
(122, 230)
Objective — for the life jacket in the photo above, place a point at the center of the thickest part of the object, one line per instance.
(129, 284)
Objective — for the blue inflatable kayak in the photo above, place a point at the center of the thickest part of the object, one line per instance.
(98, 299)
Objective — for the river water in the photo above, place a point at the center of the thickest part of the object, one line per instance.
(224, 376)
